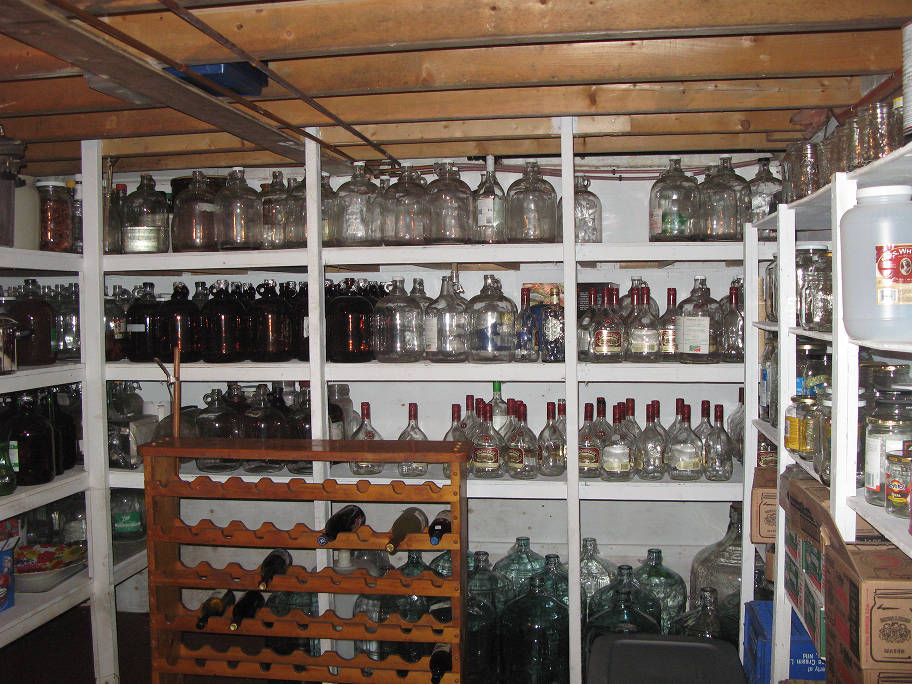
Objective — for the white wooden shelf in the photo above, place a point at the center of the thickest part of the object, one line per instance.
(897, 347)
(33, 610)
(129, 559)
(767, 249)
(32, 377)
(198, 262)
(894, 169)
(437, 372)
(443, 254)
(893, 528)
(768, 431)
(665, 489)
(808, 466)
(769, 326)
(26, 498)
(660, 251)
(813, 334)
(662, 372)
(244, 371)
(36, 260)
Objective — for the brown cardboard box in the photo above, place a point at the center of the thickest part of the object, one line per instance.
(868, 612)
(763, 506)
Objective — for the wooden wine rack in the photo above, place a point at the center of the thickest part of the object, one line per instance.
(178, 648)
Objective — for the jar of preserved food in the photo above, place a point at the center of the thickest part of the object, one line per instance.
(800, 429)
(491, 324)
(408, 211)
(145, 219)
(812, 368)
(719, 207)
(56, 212)
(674, 205)
(352, 210)
(193, 222)
(897, 476)
(239, 214)
(889, 428)
(587, 211)
(180, 324)
(452, 206)
(531, 207)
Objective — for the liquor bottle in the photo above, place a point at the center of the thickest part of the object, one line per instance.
(440, 526)
(676, 423)
(584, 327)
(520, 565)
(488, 585)
(630, 424)
(668, 345)
(562, 417)
(705, 427)
(7, 474)
(642, 329)
(590, 446)
(498, 408)
(657, 415)
(719, 565)
(595, 572)
(535, 638)
(522, 448)
(412, 433)
(411, 521)
(616, 464)
(215, 606)
(698, 325)
(366, 431)
(731, 346)
(347, 519)
(479, 418)
(511, 422)
(552, 446)
(468, 420)
(601, 425)
(644, 599)
(649, 450)
(552, 329)
(276, 563)
(527, 334)
(557, 583)
(704, 621)
(491, 324)
(667, 585)
(609, 333)
(718, 450)
(246, 608)
(441, 662)
(445, 335)
(454, 434)
(684, 453)
(488, 452)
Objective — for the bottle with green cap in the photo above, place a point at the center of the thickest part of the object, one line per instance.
(498, 407)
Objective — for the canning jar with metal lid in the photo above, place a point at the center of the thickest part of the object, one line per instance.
(812, 368)
(889, 429)
(56, 216)
(897, 476)
(807, 257)
(800, 430)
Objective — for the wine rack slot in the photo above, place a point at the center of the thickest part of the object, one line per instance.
(223, 649)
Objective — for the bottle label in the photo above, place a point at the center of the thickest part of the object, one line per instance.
(430, 333)
(486, 457)
(669, 341)
(799, 386)
(644, 341)
(693, 334)
(552, 329)
(484, 211)
(893, 275)
(128, 523)
(136, 327)
(876, 449)
(897, 489)
(14, 455)
(517, 456)
(616, 458)
(305, 327)
(336, 430)
(795, 433)
(119, 328)
(763, 390)
(813, 383)
(589, 457)
(607, 342)
(685, 457)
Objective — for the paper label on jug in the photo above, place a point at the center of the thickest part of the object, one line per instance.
(693, 334)
(893, 275)
(14, 455)
(484, 207)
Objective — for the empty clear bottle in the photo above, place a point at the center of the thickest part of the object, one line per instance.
(445, 335)
(522, 448)
(719, 451)
(668, 340)
(489, 585)
(278, 211)
(352, 208)
(193, 222)
(674, 205)
(667, 586)
(557, 583)
(617, 457)
(407, 208)
(263, 421)
(704, 427)
(698, 325)
(239, 214)
(531, 207)
(731, 347)
(589, 446)
(491, 324)
(703, 621)
(719, 565)
(587, 210)
(366, 431)
(552, 446)
(763, 188)
(454, 434)
(527, 334)
(595, 572)
(684, 455)
(642, 597)
(452, 205)
(609, 332)
(488, 450)
(649, 449)
(296, 226)
(398, 326)
(145, 219)
(490, 211)
(520, 565)
(642, 329)
(327, 211)
(720, 208)
(412, 433)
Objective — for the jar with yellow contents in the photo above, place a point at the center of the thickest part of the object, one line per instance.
(800, 427)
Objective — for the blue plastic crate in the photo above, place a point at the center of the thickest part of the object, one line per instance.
(240, 77)
(758, 646)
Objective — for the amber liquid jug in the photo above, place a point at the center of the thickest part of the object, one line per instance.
(224, 327)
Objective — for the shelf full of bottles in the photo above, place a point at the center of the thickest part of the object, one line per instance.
(218, 639)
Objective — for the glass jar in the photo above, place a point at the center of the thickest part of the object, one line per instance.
(490, 211)
(271, 320)
(56, 216)
(445, 334)
(742, 193)
(823, 416)
(817, 301)
(217, 421)
(193, 222)
(897, 480)
(763, 190)
(813, 368)
(145, 219)
(491, 324)
(587, 211)
(531, 207)
(771, 289)
(225, 337)
(348, 326)
(800, 429)
(674, 205)
(407, 211)
(263, 421)
(800, 174)
(452, 206)
(239, 214)
(112, 231)
(327, 211)
(719, 565)
(719, 207)
(889, 429)
(352, 210)
(128, 515)
(398, 326)
(278, 211)
(698, 325)
(32, 311)
(180, 324)
(873, 131)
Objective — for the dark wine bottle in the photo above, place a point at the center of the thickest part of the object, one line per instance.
(276, 563)
(215, 606)
(346, 519)
(411, 521)
(442, 610)
(441, 662)
(246, 608)
(440, 526)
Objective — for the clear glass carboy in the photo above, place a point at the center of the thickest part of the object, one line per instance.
(674, 205)
(352, 211)
(491, 324)
(238, 214)
(145, 219)
(193, 222)
(763, 189)
(445, 334)
(531, 207)
(452, 205)
(698, 325)
(408, 211)
(278, 211)
(398, 326)
(587, 210)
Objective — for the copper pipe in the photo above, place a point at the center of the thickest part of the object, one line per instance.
(176, 405)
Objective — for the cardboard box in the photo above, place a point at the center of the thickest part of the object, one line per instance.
(794, 582)
(763, 506)
(812, 564)
(868, 593)
(843, 668)
(814, 616)
(792, 542)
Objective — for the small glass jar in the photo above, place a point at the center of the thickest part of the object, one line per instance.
(889, 429)
(823, 415)
(56, 216)
(800, 431)
(817, 301)
(898, 474)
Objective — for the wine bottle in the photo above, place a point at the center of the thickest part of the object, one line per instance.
(247, 607)
(440, 526)
(411, 521)
(346, 519)
(276, 563)
(441, 662)
(214, 606)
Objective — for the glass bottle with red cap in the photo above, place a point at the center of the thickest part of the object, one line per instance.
(487, 449)
(522, 448)
(684, 454)
(552, 446)
(366, 432)
(590, 446)
(412, 433)
(719, 451)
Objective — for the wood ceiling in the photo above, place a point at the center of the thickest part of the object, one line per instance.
(437, 78)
